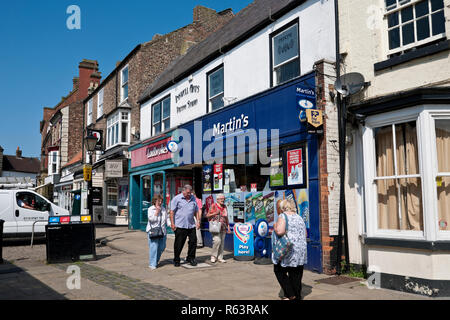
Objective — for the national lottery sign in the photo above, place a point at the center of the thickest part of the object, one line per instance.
(243, 240)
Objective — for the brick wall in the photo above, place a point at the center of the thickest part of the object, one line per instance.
(75, 129)
(328, 165)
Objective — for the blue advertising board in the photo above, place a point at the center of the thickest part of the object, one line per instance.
(243, 241)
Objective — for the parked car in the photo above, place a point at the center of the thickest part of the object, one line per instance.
(21, 208)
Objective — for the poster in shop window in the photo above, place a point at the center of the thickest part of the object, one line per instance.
(295, 169)
(218, 177)
(207, 173)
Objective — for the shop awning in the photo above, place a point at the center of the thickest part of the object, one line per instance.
(64, 181)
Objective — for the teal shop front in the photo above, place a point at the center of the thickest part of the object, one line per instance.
(148, 167)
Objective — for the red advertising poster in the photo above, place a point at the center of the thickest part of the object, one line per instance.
(218, 177)
(294, 167)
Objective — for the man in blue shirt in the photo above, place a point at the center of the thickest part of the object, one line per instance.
(183, 209)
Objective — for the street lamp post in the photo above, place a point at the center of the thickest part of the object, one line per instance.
(91, 142)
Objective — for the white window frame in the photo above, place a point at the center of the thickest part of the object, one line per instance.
(113, 124)
(160, 102)
(100, 103)
(53, 159)
(90, 110)
(402, 4)
(427, 155)
(272, 48)
(123, 84)
(218, 94)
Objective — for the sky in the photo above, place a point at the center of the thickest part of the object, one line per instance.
(39, 54)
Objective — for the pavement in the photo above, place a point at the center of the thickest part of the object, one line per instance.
(121, 272)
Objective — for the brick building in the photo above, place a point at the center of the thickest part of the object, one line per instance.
(112, 109)
(61, 129)
(17, 171)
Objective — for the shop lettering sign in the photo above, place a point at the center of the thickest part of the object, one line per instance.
(156, 151)
(151, 153)
(191, 89)
(230, 126)
(113, 169)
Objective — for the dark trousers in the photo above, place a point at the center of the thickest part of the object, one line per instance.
(180, 239)
(290, 280)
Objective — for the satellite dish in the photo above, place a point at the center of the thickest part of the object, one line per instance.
(349, 83)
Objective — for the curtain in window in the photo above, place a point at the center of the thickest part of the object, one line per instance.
(410, 188)
(387, 191)
(443, 183)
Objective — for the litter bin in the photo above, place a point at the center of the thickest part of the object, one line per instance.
(1, 240)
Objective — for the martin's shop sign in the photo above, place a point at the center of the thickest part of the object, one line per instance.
(308, 112)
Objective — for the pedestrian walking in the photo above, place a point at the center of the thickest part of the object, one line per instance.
(218, 212)
(183, 211)
(199, 230)
(156, 229)
(289, 271)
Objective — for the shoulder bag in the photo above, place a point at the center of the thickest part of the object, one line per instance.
(281, 246)
(156, 232)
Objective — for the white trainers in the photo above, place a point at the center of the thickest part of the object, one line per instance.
(222, 260)
(213, 259)
(152, 267)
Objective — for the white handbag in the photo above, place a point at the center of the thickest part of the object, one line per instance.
(215, 226)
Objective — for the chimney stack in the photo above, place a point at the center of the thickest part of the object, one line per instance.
(18, 153)
(76, 81)
(88, 72)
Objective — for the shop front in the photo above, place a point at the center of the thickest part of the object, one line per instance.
(258, 152)
(152, 172)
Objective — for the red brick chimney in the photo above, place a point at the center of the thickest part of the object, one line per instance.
(88, 73)
(18, 153)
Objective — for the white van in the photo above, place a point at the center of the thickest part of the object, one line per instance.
(21, 208)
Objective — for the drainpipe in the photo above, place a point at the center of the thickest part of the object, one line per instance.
(342, 120)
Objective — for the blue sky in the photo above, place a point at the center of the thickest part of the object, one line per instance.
(39, 55)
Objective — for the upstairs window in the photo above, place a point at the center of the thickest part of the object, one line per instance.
(53, 162)
(285, 62)
(161, 116)
(118, 129)
(100, 104)
(89, 118)
(215, 90)
(124, 83)
(412, 23)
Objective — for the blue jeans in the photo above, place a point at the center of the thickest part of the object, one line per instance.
(156, 248)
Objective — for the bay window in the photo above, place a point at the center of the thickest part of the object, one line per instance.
(118, 129)
(407, 174)
(285, 62)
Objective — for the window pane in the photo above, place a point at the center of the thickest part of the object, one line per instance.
(407, 14)
(393, 19)
(388, 206)
(437, 4)
(216, 83)
(394, 38)
(391, 4)
(443, 194)
(423, 28)
(421, 9)
(276, 172)
(125, 75)
(438, 23)
(411, 204)
(287, 71)
(408, 33)
(285, 45)
(166, 124)
(124, 132)
(406, 145)
(217, 102)
(125, 91)
(157, 113)
(384, 152)
(124, 115)
(116, 127)
(443, 144)
(157, 128)
(166, 108)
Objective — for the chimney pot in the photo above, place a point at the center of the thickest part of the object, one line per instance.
(18, 153)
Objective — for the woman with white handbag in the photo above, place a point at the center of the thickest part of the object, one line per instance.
(218, 227)
(158, 219)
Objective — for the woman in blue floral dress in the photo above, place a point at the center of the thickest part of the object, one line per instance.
(289, 271)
